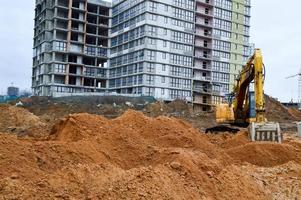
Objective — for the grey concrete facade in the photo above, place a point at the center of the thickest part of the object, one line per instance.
(70, 46)
(152, 48)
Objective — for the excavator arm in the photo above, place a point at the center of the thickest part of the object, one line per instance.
(252, 71)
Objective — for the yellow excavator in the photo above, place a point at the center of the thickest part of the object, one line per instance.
(247, 103)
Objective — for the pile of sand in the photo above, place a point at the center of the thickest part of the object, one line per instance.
(20, 121)
(175, 108)
(276, 112)
(295, 112)
(135, 157)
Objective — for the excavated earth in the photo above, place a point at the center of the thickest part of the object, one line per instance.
(86, 156)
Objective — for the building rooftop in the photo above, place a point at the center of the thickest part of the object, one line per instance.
(101, 2)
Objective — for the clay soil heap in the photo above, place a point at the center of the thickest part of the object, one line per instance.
(87, 156)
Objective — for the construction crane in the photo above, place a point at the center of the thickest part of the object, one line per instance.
(299, 85)
(247, 107)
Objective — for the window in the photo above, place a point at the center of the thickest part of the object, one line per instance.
(182, 37)
(183, 14)
(220, 54)
(60, 68)
(181, 60)
(153, 6)
(188, 4)
(163, 79)
(221, 45)
(150, 67)
(166, 8)
(152, 41)
(165, 20)
(222, 24)
(150, 79)
(223, 14)
(153, 17)
(151, 55)
(164, 44)
(220, 66)
(60, 46)
(247, 10)
(222, 33)
(225, 4)
(152, 30)
(165, 31)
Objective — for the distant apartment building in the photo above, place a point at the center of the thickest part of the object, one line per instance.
(152, 46)
(171, 49)
(70, 46)
(221, 48)
(13, 91)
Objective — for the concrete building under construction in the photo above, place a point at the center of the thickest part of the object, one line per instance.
(173, 49)
(70, 46)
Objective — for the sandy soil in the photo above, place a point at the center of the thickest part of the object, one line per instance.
(87, 156)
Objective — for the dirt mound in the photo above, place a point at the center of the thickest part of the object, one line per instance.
(276, 112)
(179, 106)
(130, 157)
(20, 121)
(134, 139)
(280, 182)
(175, 108)
(228, 141)
(266, 154)
(78, 126)
(133, 157)
(295, 112)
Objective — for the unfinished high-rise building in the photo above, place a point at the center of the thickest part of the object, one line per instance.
(70, 47)
(171, 49)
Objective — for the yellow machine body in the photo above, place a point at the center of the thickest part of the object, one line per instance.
(225, 114)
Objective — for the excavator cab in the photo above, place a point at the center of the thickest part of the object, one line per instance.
(247, 103)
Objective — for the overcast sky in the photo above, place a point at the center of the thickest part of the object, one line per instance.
(275, 29)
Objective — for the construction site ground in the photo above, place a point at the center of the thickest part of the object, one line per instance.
(138, 148)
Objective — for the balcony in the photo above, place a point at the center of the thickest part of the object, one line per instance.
(96, 51)
(204, 13)
(205, 2)
(202, 90)
(204, 24)
(203, 103)
(201, 67)
(203, 34)
(203, 46)
(202, 78)
(203, 57)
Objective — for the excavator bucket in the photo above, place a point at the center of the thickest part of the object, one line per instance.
(268, 131)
